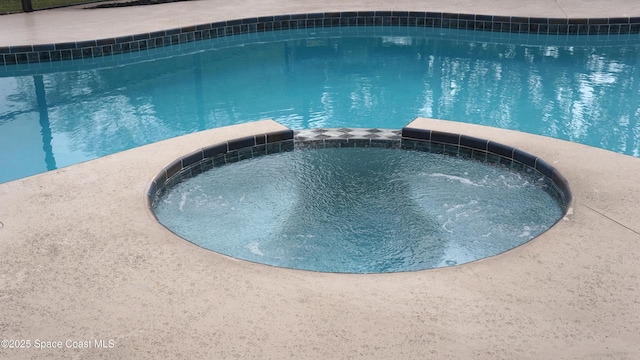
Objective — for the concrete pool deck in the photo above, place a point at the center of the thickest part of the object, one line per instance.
(77, 24)
(82, 259)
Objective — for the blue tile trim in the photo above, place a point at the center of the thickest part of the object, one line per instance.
(410, 138)
(507, 24)
(486, 151)
(241, 143)
(279, 136)
(214, 150)
(173, 168)
(500, 149)
(273, 142)
(524, 158)
(260, 139)
(418, 134)
(218, 154)
(192, 158)
(544, 168)
(562, 183)
(473, 142)
(445, 138)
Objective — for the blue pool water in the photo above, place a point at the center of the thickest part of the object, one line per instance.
(574, 88)
(359, 210)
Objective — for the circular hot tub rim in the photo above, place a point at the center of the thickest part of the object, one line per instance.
(408, 138)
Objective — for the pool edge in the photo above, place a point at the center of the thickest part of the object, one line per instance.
(92, 246)
(94, 48)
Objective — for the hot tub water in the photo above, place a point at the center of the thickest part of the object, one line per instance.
(359, 210)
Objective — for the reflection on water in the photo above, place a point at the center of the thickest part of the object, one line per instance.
(354, 206)
(359, 210)
(49, 159)
(586, 94)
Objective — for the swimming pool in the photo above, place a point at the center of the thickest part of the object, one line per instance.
(582, 89)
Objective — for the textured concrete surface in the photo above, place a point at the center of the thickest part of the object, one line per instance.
(82, 259)
(83, 262)
(77, 23)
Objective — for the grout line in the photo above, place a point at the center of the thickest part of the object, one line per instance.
(613, 220)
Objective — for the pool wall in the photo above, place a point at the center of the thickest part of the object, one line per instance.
(25, 54)
(409, 138)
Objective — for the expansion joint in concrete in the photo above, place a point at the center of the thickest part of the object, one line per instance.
(613, 220)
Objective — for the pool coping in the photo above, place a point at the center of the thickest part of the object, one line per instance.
(93, 262)
(89, 49)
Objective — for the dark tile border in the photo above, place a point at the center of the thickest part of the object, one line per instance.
(25, 54)
(408, 138)
(487, 151)
(346, 143)
(219, 154)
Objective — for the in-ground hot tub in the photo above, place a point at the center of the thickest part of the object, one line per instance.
(359, 200)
